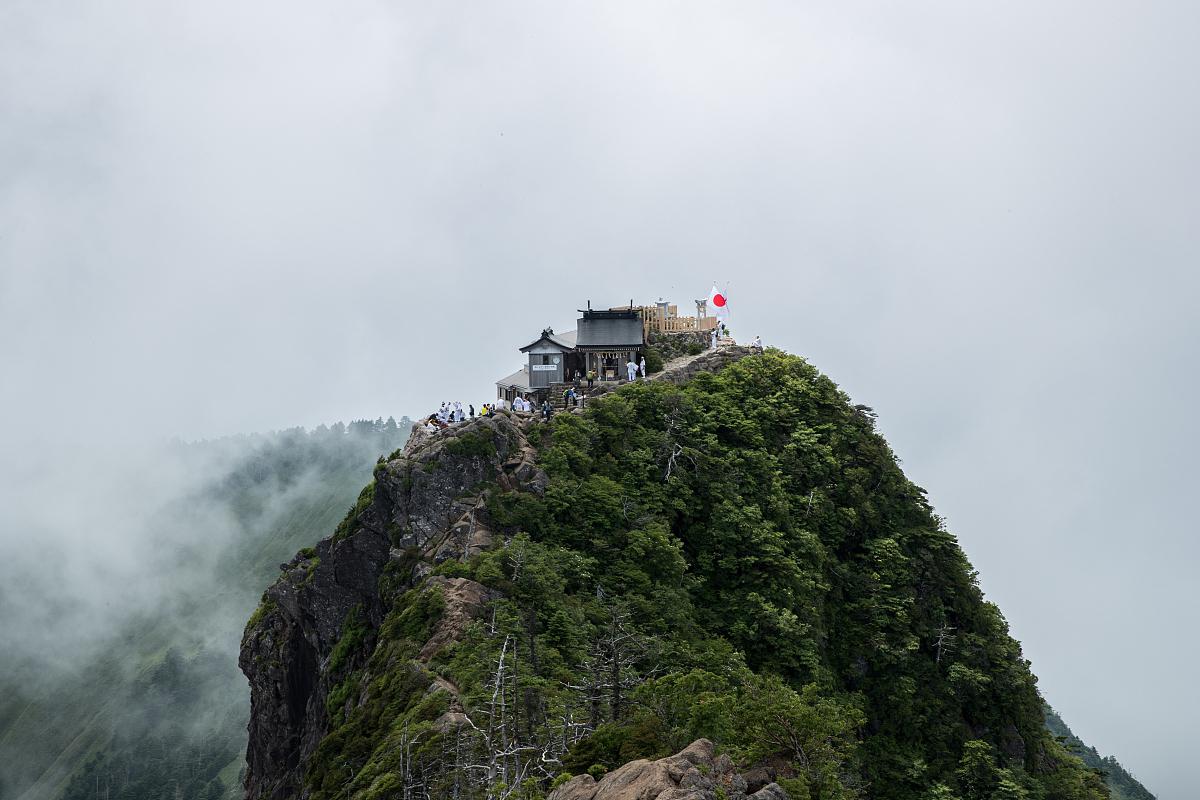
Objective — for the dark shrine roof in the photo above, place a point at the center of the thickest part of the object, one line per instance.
(564, 340)
(609, 330)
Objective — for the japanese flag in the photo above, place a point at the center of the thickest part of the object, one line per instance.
(718, 302)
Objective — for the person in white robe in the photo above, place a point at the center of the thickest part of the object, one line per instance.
(631, 369)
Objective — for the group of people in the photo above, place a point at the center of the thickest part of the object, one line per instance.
(448, 414)
(523, 405)
(635, 368)
(722, 332)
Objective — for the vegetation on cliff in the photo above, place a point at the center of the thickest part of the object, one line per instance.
(1121, 784)
(738, 558)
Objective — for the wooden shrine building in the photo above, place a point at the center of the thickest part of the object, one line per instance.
(602, 342)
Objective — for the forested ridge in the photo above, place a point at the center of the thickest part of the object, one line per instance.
(160, 711)
(738, 558)
(1122, 784)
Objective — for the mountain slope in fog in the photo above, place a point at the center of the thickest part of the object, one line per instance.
(1121, 784)
(158, 708)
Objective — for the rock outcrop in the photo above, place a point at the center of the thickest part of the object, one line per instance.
(683, 369)
(694, 773)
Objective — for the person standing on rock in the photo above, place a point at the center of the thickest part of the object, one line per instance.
(758, 343)
(631, 369)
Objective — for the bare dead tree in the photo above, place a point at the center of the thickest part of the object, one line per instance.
(516, 560)
(944, 642)
(412, 774)
(511, 736)
(674, 451)
(623, 649)
(591, 690)
(496, 738)
(611, 669)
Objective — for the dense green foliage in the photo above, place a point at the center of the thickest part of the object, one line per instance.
(471, 444)
(740, 558)
(161, 711)
(654, 360)
(1121, 784)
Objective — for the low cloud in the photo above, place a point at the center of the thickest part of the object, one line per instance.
(231, 217)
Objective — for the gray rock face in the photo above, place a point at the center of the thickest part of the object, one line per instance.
(684, 369)
(422, 512)
(694, 773)
(772, 791)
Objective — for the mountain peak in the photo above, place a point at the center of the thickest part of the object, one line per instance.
(727, 552)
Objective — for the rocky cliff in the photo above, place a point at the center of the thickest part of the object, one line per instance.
(422, 509)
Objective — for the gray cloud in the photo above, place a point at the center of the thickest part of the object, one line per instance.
(979, 220)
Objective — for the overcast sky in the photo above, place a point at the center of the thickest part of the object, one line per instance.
(979, 219)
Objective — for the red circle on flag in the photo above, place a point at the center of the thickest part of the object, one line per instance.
(719, 300)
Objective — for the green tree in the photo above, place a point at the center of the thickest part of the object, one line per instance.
(817, 733)
(977, 776)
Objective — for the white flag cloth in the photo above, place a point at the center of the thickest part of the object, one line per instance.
(718, 301)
